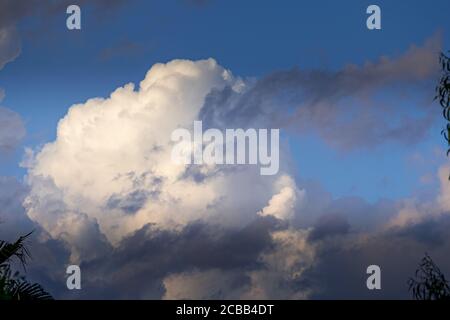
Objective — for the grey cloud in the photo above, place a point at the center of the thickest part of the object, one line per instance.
(9, 45)
(340, 272)
(48, 257)
(430, 232)
(144, 187)
(344, 236)
(12, 130)
(137, 267)
(12, 11)
(319, 207)
(199, 175)
(141, 262)
(129, 203)
(12, 214)
(340, 105)
(329, 225)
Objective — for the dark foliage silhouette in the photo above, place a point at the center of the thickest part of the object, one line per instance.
(429, 282)
(443, 95)
(14, 286)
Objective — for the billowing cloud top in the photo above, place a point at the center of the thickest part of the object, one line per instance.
(110, 167)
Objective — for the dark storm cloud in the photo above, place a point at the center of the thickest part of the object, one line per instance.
(340, 272)
(329, 225)
(137, 267)
(430, 232)
(341, 105)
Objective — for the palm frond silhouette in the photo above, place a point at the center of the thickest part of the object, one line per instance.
(14, 286)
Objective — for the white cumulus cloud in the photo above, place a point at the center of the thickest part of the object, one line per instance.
(109, 171)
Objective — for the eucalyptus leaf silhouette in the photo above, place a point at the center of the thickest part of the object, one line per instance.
(443, 95)
(429, 283)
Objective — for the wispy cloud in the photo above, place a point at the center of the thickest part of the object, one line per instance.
(341, 106)
(12, 130)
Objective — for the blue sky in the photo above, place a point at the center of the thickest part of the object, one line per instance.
(57, 68)
(357, 184)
